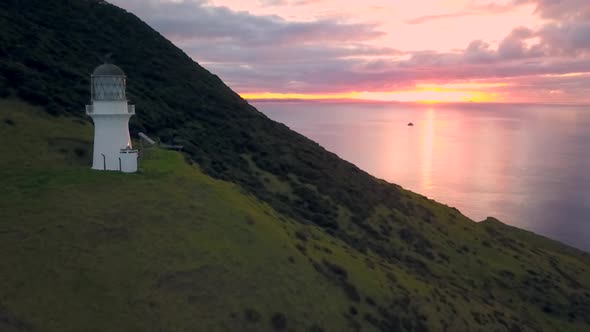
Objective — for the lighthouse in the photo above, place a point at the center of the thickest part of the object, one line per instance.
(110, 113)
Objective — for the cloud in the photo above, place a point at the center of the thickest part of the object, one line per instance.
(479, 51)
(514, 46)
(473, 9)
(569, 38)
(196, 20)
(562, 10)
(387, 75)
(569, 32)
(559, 10)
(547, 88)
(273, 3)
(428, 18)
(265, 53)
(566, 34)
(270, 3)
(286, 55)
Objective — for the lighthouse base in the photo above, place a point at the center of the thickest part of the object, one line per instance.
(112, 144)
(125, 161)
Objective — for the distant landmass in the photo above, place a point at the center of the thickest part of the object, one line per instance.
(253, 228)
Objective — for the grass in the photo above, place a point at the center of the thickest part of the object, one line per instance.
(300, 240)
(170, 248)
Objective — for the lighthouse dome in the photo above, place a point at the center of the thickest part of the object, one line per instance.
(108, 69)
(108, 83)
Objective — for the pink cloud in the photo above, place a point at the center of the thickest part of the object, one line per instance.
(274, 47)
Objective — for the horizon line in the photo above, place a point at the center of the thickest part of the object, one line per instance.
(422, 103)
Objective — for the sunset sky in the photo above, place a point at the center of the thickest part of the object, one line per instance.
(535, 51)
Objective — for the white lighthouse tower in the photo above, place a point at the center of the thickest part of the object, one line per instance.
(110, 113)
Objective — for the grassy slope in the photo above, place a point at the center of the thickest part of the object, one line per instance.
(168, 248)
(172, 249)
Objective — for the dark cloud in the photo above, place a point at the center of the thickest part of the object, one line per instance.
(568, 38)
(196, 20)
(264, 52)
(562, 10)
(387, 75)
(479, 51)
(567, 33)
(514, 46)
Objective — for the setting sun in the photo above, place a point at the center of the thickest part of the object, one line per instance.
(425, 94)
(429, 96)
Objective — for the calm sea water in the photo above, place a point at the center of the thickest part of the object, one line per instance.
(528, 166)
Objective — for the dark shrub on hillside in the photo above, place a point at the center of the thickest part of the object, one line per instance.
(336, 269)
(34, 95)
(371, 319)
(53, 109)
(315, 328)
(278, 321)
(301, 235)
(79, 152)
(406, 234)
(251, 315)
(4, 92)
(351, 292)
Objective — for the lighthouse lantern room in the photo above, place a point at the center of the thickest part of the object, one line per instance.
(110, 113)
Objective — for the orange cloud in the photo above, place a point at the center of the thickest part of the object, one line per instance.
(423, 94)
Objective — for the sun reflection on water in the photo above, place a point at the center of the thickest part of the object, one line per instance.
(428, 147)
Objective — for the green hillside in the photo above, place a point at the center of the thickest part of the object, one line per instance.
(255, 228)
(171, 249)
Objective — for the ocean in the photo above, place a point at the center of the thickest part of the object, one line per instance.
(527, 165)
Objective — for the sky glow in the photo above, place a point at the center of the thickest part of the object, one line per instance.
(534, 51)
